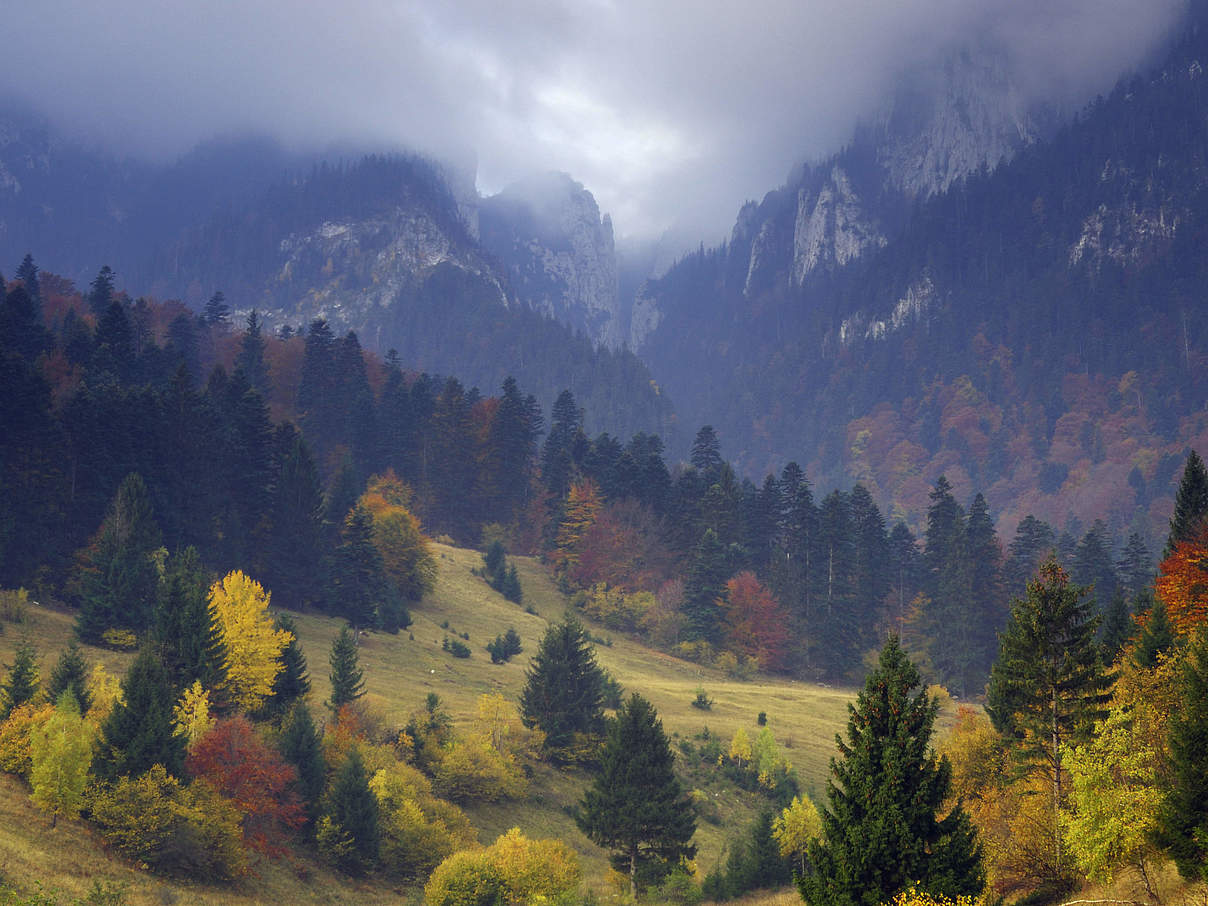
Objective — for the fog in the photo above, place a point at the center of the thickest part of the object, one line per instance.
(671, 113)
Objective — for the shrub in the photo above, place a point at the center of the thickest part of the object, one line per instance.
(474, 770)
(418, 830)
(505, 647)
(455, 647)
(15, 733)
(513, 869)
(702, 700)
(119, 639)
(14, 604)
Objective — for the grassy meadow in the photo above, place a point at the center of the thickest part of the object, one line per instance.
(400, 671)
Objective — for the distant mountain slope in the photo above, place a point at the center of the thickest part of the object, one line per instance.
(1035, 331)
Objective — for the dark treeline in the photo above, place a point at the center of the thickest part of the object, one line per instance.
(98, 388)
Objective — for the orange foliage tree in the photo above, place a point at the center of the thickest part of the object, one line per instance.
(253, 776)
(583, 505)
(755, 621)
(1182, 583)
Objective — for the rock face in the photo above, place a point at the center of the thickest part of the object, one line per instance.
(559, 254)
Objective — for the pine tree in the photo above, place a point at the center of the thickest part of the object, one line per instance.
(636, 806)
(302, 746)
(1182, 830)
(564, 689)
(1049, 685)
(352, 811)
(357, 584)
(1190, 504)
(22, 684)
(70, 674)
(1157, 637)
(117, 574)
(190, 644)
(347, 678)
(292, 682)
(882, 829)
(139, 731)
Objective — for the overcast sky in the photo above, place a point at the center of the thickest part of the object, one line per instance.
(666, 109)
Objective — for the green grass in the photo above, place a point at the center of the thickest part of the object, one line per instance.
(400, 671)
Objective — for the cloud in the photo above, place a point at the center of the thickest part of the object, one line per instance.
(672, 111)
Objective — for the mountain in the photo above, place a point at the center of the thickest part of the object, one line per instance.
(966, 289)
(387, 246)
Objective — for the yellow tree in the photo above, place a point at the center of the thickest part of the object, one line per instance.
(794, 828)
(61, 753)
(239, 610)
(406, 557)
(583, 505)
(740, 748)
(191, 715)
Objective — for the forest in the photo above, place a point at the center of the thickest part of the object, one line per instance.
(166, 474)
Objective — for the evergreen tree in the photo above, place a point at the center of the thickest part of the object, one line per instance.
(706, 454)
(1157, 637)
(636, 806)
(21, 329)
(953, 616)
(1190, 504)
(1135, 568)
(70, 674)
(988, 601)
(835, 626)
(357, 580)
(882, 829)
(216, 310)
(292, 682)
(564, 689)
(352, 810)
(302, 746)
(190, 644)
(117, 574)
(21, 684)
(1093, 564)
(1034, 540)
(565, 439)
(139, 732)
(1048, 686)
(1117, 627)
(100, 291)
(870, 562)
(1182, 826)
(291, 544)
(347, 678)
(27, 273)
(251, 359)
(706, 588)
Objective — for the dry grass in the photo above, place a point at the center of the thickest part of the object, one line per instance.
(400, 671)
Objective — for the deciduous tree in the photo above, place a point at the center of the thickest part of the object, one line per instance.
(61, 753)
(239, 609)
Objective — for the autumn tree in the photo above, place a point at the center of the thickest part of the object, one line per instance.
(239, 608)
(635, 807)
(564, 689)
(755, 622)
(1182, 583)
(797, 825)
(512, 870)
(61, 754)
(882, 828)
(406, 557)
(244, 769)
(582, 508)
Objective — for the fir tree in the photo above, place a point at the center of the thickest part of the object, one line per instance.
(882, 829)
(27, 273)
(139, 732)
(352, 810)
(302, 746)
(100, 291)
(292, 682)
(636, 807)
(564, 688)
(251, 355)
(357, 579)
(706, 587)
(1135, 567)
(1048, 686)
(190, 644)
(70, 674)
(291, 538)
(1156, 638)
(1182, 827)
(347, 678)
(216, 310)
(1117, 627)
(21, 684)
(1190, 504)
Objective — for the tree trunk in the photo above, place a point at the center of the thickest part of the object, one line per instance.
(1056, 778)
(633, 873)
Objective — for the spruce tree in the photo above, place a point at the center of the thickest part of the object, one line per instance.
(21, 684)
(1190, 504)
(1182, 827)
(190, 644)
(1049, 685)
(353, 811)
(70, 674)
(882, 828)
(357, 585)
(347, 678)
(302, 746)
(1117, 627)
(292, 682)
(251, 355)
(564, 689)
(139, 732)
(706, 586)
(1156, 638)
(636, 807)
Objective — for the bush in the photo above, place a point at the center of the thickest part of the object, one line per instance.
(513, 869)
(119, 639)
(14, 604)
(418, 830)
(475, 771)
(702, 700)
(505, 647)
(455, 647)
(152, 819)
(15, 734)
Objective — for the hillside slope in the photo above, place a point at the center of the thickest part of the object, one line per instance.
(400, 672)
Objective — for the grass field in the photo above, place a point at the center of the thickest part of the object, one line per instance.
(400, 671)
